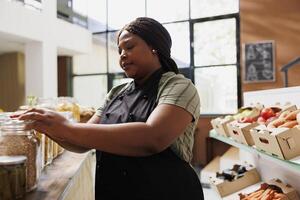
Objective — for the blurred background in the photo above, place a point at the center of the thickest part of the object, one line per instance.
(68, 48)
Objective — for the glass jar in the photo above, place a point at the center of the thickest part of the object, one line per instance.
(41, 138)
(15, 141)
(48, 103)
(48, 151)
(4, 117)
(12, 177)
(69, 104)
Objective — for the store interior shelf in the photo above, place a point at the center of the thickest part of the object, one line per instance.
(293, 164)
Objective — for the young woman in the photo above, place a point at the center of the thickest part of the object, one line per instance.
(143, 133)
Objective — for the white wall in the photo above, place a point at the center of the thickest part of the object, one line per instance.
(42, 34)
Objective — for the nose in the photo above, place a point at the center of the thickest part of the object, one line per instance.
(123, 55)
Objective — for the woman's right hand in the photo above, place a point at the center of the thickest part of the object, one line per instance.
(46, 121)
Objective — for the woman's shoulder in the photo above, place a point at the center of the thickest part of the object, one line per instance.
(171, 76)
(170, 79)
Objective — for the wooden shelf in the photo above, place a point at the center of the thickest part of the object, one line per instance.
(56, 177)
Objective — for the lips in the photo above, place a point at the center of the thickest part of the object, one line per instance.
(125, 65)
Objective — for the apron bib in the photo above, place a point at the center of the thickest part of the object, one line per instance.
(160, 176)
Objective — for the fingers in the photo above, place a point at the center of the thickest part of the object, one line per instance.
(32, 116)
(19, 113)
(38, 110)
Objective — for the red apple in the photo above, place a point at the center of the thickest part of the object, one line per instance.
(266, 113)
(270, 120)
(247, 120)
(261, 120)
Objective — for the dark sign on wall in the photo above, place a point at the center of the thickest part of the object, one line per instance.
(259, 62)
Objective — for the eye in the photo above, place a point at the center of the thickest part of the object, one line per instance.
(129, 46)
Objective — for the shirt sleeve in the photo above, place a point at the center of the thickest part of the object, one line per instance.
(181, 92)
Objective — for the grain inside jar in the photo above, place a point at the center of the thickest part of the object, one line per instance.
(15, 141)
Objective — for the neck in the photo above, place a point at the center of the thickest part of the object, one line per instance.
(145, 78)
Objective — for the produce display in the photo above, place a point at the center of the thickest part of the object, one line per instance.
(246, 114)
(286, 119)
(234, 179)
(274, 130)
(265, 192)
(236, 172)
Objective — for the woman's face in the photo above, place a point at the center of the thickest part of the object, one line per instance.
(136, 57)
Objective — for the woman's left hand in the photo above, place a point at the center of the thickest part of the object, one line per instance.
(46, 121)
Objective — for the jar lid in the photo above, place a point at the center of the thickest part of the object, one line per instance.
(14, 125)
(11, 160)
(4, 117)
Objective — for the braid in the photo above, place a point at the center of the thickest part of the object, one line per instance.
(155, 35)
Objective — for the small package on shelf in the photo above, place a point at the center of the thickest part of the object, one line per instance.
(240, 132)
(244, 114)
(273, 189)
(280, 142)
(220, 125)
(232, 180)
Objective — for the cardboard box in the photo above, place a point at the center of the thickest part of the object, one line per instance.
(224, 187)
(240, 132)
(219, 125)
(287, 107)
(209, 170)
(229, 158)
(280, 142)
(288, 190)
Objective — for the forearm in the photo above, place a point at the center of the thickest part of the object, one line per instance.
(72, 147)
(76, 148)
(130, 139)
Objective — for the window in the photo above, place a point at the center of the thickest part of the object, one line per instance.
(215, 64)
(121, 12)
(210, 8)
(90, 90)
(180, 50)
(168, 10)
(217, 87)
(205, 46)
(215, 42)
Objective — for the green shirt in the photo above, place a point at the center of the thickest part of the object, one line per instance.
(177, 90)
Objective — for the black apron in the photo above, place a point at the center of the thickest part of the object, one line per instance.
(162, 176)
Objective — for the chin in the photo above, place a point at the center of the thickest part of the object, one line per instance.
(130, 74)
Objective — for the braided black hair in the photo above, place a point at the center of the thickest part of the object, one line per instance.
(155, 35)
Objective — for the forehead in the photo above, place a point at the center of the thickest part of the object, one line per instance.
(126, 36)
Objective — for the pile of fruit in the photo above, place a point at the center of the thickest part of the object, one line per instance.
(273, 117)
(245, 115)
(287, 119)
(265, 192)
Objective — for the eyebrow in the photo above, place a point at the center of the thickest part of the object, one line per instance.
(126, 40)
